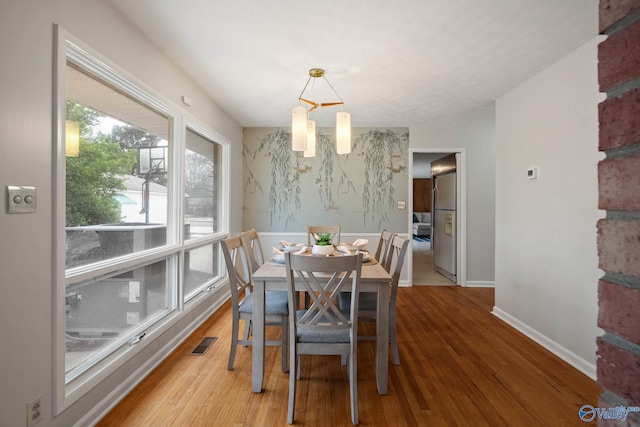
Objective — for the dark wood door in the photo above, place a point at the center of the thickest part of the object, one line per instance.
(422, 195)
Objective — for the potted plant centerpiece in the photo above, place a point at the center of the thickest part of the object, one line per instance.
(323, 245)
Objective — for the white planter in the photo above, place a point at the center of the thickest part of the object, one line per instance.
(322, 250)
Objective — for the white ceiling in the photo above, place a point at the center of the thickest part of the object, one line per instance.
(394, 63)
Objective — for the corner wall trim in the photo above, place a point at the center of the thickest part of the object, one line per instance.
(568, 356)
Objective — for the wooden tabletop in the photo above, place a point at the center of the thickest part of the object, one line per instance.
(271, 271)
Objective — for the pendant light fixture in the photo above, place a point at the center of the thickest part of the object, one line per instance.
(303, 135)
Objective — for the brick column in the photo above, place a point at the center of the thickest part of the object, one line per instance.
(619, 195)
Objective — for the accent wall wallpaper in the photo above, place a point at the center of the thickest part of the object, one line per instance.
(284, 191)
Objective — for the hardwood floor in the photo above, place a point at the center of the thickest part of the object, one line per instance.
(460, 366)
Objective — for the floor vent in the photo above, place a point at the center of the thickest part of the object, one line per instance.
(204, 346)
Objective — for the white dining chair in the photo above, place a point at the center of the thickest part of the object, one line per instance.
(323, 328)
(276, 307)
(369, 300)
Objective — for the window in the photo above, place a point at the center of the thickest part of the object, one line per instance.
(202, 180)
(203, 159)
(201, 269)
(114, 207)
(138, 217)
(103, 313)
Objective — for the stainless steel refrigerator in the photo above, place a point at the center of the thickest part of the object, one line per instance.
(444, 224)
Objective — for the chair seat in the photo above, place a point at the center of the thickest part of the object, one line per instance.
(275, 303)
(319, 335)
(368, 301)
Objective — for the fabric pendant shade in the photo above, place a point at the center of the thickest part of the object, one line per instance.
(310, 150)
(343, 133)
(299, 128)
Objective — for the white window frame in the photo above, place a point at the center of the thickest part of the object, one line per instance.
(68, 47)
(223, 213)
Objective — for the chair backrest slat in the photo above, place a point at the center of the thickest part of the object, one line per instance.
(384, 248)
(397, 252)
(237, 263)
(254, 248)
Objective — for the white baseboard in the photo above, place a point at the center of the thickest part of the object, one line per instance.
(589, 369)
(480, 284)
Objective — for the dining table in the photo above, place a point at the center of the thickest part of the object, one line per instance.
(272, 276)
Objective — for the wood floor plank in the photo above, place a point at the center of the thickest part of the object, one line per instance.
(460, 366)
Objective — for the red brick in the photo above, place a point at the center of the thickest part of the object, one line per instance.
(620, 120)
(611, 11)
(619, 184)
(619, 310)
(619, 57)
(619, 372)
(602, 403)
(619, 246)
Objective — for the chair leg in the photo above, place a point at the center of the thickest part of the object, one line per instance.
(293, 368)
(285, 340)
(247, 330)
(393, 338)
(235, 326)
(394, 350)
(353, 387)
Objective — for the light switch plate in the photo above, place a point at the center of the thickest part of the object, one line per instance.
(21, 199)
(402, 205)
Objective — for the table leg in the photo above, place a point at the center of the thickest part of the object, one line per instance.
(382, 340)
(257, 355)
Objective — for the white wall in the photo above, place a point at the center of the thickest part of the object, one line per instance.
(26, 43)
(546, 255)
(477, 136)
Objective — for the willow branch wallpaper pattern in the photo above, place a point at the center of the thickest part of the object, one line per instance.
(284, 191)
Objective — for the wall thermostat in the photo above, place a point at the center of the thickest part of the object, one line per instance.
(532, 173)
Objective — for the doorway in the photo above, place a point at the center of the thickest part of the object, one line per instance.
(422, 271)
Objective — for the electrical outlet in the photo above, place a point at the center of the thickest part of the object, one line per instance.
(34, 411)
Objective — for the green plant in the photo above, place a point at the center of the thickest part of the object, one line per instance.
(323, 239)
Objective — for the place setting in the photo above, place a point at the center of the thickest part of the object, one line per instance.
(329, 250)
